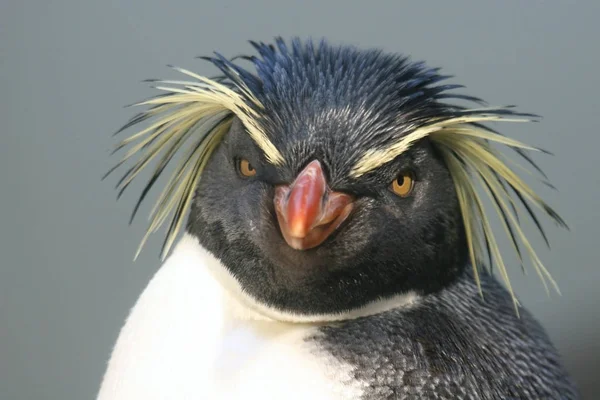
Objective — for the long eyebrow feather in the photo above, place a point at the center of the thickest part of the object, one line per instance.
(466, 146)
(375, 158)
(191, 113)
(468, 152)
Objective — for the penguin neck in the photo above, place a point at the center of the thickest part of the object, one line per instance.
(240, 305)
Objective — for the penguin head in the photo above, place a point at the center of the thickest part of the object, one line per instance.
(332, 177)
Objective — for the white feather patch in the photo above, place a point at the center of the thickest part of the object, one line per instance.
(194, 335)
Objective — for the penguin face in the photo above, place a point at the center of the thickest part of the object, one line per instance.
(307, 238)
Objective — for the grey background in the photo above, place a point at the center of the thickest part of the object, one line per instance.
(67, 279)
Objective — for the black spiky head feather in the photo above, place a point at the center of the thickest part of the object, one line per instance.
(386, 104)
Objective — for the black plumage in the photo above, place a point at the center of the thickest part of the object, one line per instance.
(453, 346)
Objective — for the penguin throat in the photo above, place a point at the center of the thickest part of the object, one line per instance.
(240, 305)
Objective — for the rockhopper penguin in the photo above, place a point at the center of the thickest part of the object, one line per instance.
(338, 242)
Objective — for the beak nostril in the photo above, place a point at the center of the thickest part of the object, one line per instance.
(280, 200)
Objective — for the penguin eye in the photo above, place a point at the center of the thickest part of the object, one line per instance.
(246, 169)
(403, 184)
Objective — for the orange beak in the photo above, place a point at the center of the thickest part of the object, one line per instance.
(308, 211)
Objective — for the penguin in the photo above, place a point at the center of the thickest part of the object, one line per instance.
(328, 236)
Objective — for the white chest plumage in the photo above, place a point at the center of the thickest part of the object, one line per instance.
(187, 338)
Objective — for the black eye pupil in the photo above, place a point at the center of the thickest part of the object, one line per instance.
(400, 180)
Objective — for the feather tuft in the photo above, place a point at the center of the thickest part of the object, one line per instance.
(466, 146)
(196, 112)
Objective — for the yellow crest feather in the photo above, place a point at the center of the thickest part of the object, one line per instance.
(466, 148)
(198, 113)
